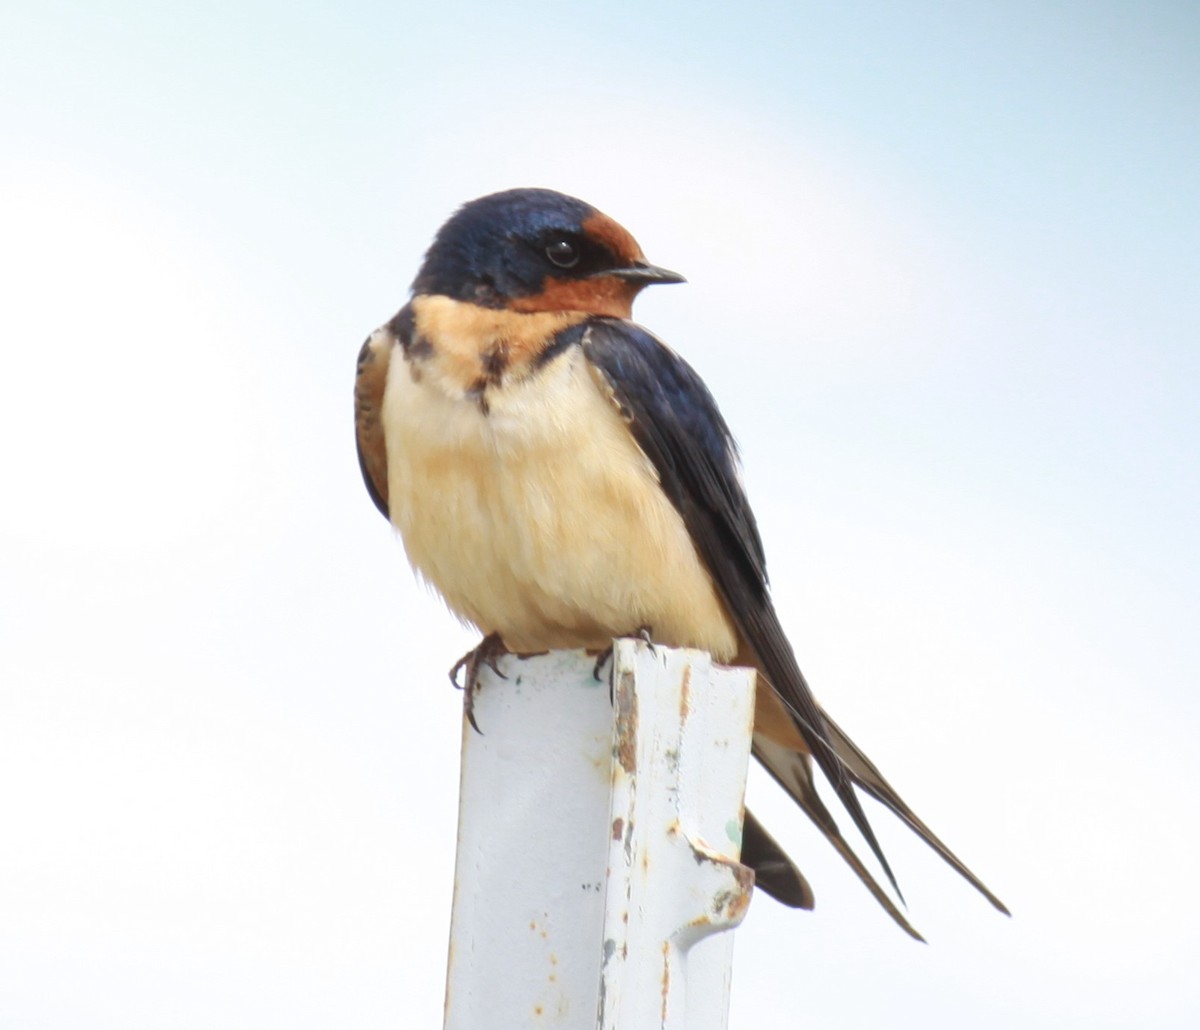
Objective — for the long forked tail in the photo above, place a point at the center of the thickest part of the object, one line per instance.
(863, 772)
(792, 770)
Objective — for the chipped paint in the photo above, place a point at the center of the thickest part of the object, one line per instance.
(662, 762)
(666, 980)
(678, 889)
(626, 718)
(730, 906)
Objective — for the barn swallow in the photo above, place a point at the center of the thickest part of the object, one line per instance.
(562, 477)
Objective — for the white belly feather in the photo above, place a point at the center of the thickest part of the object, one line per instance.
(543, 520)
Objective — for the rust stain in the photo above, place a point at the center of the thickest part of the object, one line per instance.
(537, 1010)
(627, 724)
(618, 828)
(666, 979)
(738, 905)
(732, 904)
(685, 694)
(745, 876)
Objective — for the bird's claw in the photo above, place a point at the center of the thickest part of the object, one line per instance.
(488, 652)
(643, 634)
(602, 660)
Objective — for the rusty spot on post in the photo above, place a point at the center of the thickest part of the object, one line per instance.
(685, 693)
(618, 828)
(745, 876)
(666, 979)
(735, 902)
(627, 719)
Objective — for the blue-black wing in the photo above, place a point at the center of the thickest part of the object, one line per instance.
(675, 420)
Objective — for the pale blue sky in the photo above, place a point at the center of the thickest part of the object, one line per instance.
(943, 263)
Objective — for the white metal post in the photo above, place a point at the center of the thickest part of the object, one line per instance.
(598, 844)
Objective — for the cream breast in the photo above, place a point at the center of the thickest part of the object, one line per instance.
(526, 502)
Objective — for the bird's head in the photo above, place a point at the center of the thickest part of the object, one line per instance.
(532, 250)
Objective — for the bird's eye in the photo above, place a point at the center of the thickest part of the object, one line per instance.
(563, 253)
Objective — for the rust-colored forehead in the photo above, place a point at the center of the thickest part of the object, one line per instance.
(614, 236)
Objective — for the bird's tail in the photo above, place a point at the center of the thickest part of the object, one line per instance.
(774, 871)
(864, 774)
(792, 770)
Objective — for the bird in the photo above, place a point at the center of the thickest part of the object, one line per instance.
(562, 478)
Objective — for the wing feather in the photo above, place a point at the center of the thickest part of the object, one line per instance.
(369, 383)
(675, 420)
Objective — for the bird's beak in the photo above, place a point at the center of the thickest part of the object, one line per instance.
(642, 274)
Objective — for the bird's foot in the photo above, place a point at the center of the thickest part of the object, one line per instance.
(602, 659)
(489, 650)
(605, 656)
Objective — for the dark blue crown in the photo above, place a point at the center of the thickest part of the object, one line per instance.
(489, 250)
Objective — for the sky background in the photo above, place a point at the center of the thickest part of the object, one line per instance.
(943, 264)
